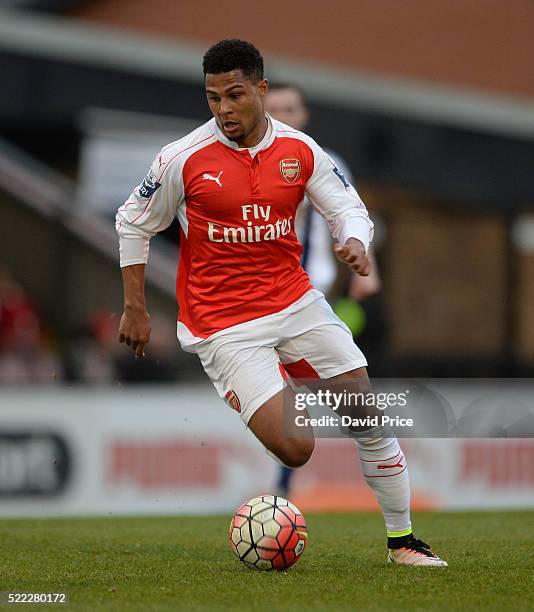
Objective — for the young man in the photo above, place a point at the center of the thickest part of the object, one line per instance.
(246, 306)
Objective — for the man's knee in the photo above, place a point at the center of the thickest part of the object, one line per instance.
(295, 452)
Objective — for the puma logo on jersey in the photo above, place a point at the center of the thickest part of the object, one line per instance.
(208, 177)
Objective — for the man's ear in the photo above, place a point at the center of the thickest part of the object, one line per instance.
(263, 87)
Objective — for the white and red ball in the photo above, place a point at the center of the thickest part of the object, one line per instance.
(268, 532)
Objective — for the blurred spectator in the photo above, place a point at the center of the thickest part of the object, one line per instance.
(24, 353)
(92, 355)
(92, 352)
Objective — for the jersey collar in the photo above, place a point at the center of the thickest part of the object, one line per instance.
(266, 142)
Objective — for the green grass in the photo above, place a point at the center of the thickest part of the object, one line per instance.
(185, 563)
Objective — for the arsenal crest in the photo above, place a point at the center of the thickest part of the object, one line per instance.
(233, 401)
(290, 170)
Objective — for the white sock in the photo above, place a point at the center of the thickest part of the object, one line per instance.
(386, 472)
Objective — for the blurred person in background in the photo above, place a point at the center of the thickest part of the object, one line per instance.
(25, 354)
(287, 103)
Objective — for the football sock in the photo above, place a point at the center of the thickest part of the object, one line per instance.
(386, 472)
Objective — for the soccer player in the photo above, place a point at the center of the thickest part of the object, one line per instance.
(246, 306)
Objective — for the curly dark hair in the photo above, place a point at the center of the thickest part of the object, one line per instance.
(234, 54)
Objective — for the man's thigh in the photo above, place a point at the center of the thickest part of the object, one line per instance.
(322, 346)
(325, 358)
(249, 378)
(245, 374)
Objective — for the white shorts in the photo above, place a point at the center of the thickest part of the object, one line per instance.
(306, 338)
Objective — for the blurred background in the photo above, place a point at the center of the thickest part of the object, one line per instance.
(431, 105)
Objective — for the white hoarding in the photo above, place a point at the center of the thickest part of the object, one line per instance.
(181, 450)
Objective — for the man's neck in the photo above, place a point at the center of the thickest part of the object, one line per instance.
(256, 135)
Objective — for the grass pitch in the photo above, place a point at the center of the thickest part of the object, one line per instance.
(185, 563)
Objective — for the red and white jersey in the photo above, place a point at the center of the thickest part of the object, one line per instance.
(239, 253)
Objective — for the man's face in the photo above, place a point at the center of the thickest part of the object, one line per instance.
(237, 103)
(287, 106)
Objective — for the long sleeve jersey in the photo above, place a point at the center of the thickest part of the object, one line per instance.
(318, 257)
(239, 253)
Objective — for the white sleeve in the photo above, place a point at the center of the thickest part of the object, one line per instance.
(149, 210)
(340, 163)
(337, 201)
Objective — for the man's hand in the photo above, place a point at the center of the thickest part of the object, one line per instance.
(134, 329)
(353, 254)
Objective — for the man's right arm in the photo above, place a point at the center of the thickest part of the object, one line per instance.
(134, 329)
(149, 210)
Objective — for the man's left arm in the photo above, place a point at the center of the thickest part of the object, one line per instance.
(337, 201)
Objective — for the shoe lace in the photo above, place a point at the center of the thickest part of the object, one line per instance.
(411, 543)
(420, 547)
(419, 544)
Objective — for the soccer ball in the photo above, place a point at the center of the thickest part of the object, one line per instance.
(268, 532)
